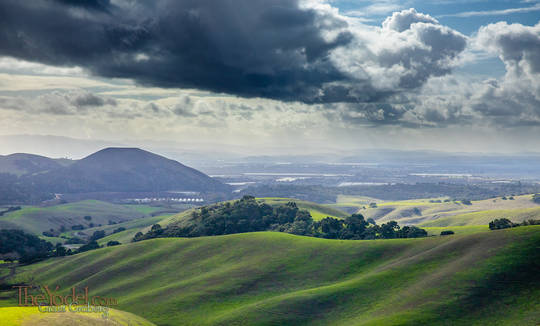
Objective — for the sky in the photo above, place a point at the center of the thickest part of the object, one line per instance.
(273, 77)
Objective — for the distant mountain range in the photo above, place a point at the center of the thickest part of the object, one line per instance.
(108, 170)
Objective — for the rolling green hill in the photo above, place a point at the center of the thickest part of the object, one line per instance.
(266, 278)
(435, 212)
(36, 219)
(484, 217)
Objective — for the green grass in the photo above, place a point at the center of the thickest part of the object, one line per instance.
(53, 240)
(267, 278)
(22, 316)
(172, 219)
(36, 219)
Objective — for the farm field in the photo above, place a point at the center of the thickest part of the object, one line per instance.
(267, 278)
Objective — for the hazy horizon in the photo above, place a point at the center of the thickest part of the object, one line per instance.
(74, 148)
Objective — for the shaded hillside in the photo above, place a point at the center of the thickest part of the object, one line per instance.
(126, 170)
(20, 164)
(488, 278)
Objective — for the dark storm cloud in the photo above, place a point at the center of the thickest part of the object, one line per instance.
(102, 5)
(271, 49)
(279, 50)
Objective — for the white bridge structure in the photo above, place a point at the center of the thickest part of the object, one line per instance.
(165, 199)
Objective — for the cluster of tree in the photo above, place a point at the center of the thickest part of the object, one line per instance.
(120, 229)
(97, 235)
(17, 245)
(505, 223)
(536, 198)
(249, 215)
(353, 227)
(92, 244)
(51, 233)
(74, 240)
(62, 229)
(10, 209)
(24, 247)
(111, 222)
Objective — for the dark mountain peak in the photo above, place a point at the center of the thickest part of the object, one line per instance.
(119, 157)
(109, 150)
(122, 152)
(124, 169)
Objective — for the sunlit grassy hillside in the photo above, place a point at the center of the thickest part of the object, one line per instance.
(486, 278)
(30, 316)
(441, 212)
